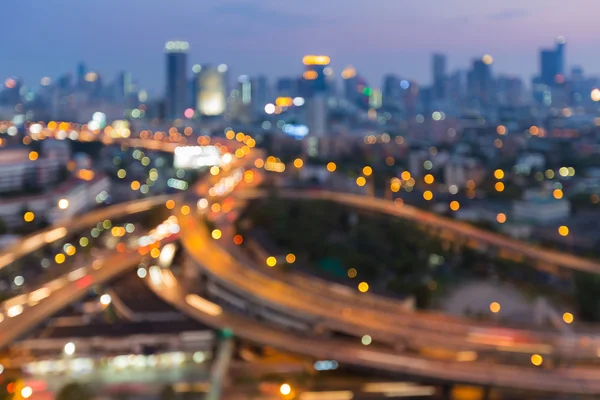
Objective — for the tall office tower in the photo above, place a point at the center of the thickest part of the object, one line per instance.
(561, 42)
(81, 72)
(176, 91)
(211, 89)
(124, 86)
(480, 83)
(392, 91)
(261, 93)
(287, 87)
(439, 76)
(510, 91)
(315, 77)
(552, 63)
(349, 77)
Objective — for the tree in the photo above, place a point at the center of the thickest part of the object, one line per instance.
(73, 391)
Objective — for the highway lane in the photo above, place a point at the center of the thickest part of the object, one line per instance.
(528, 250)
(42, 238)
(556, 380)
(420, 330)
(73, 290)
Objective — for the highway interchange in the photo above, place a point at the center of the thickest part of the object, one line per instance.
(298, 302)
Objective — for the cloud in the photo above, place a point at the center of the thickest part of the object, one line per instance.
(513, 13)
(256, 13)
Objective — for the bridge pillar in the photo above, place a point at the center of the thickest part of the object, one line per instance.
(446, 392)
(486, 393)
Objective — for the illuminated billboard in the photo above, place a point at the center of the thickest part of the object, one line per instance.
(194, 157)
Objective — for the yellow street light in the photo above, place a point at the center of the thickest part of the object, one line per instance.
(568, 318)
(271, 261)
(29, 216)
(361, 181)
(495, 307)
(363, 287)
(331, 167)
(563, 230)
(298, 163)
(537, 360)
(216, 234)
(367, 171)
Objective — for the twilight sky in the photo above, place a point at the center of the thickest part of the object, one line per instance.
(48, 37)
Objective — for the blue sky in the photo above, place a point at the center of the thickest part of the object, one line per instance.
(376, 36)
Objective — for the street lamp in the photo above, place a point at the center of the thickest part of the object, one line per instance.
(63, 204)
(285, 389)
(69, 349)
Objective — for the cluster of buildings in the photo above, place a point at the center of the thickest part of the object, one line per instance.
(46, 186)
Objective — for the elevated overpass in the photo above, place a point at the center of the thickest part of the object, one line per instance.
(465, 233)
(559, 380)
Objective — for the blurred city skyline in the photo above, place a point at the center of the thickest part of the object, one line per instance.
(48, 39)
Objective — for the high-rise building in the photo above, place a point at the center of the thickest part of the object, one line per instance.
(552, 63)
(261, 93)
(176, 91)
(392, 91)
(315, 77)
(287, 87)
(124, 86)
(81, 72)
(350, 81)
(439, 76)
(480, 83)
(560, 54)
(211, 89)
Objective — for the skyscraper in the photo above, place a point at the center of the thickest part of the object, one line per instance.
(480, 82)
(439, 76)
(211, 90)
(392, 92)
(552, 63)
(315, 75)
(261, 93)
(81, 71)
(176, 91)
